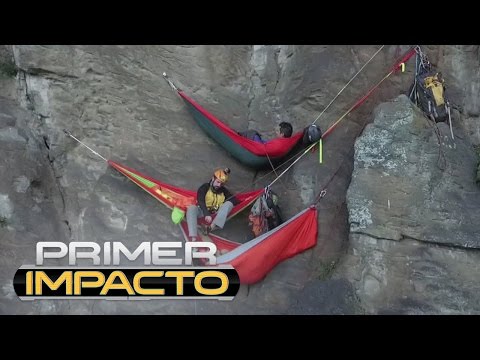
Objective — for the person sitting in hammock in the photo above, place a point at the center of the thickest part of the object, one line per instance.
(212, 198)
(284, 130)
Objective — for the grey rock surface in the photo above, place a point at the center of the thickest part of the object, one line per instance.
(114, 99)
(414, 215)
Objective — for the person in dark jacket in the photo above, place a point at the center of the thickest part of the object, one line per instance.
(213, 198)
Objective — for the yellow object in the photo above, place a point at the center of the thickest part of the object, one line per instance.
(213, 200)
(403, 67)
(163, 193)
(173, 198)
(320, 151)
(436, 85)
(221, 175)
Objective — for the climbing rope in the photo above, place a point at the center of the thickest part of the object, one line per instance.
(172, 85)
(89, 148)
(322, 193)
(330, 179)
(441, 160)
(424, 65)
(300, 154)
(348, 83)
(274, 170)
(405, 58)
(447, 104)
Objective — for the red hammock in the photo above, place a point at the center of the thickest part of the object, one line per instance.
(172, 196)
(274, 148)
(256, 258)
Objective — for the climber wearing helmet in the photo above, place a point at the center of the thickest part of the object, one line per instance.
(311, 134)
(212, 199)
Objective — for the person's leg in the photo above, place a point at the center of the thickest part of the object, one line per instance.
(222, 215)
(192, 216)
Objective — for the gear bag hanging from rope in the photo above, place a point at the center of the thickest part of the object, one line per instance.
(265, 214)
(430, 95)
(428, 90)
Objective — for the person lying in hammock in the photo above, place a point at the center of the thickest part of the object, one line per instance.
(212, 198)
(284, 130)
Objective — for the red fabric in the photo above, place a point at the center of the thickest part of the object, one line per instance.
(274, 148)
(404, 59)
(222, 244)
(394, 68)
(174, 196)
(255, 263)
(364, 97)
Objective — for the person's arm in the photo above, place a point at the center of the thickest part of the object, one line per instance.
(201, 193)
(259, 139)
(230, 197)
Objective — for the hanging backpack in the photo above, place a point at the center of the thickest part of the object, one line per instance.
(265, 214)
(311, 134)
(430, 95)
(428, 90)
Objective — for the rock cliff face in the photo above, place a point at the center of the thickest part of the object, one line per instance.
(414, 214)
(114, 99)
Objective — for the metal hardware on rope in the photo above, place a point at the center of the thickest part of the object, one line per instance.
(266, 190)
(320, 195)
(172, 85)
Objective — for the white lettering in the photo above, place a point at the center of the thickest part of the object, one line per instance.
(44, 245)
(155, 253)
(204, 254)
(74, 254)
(143, 247)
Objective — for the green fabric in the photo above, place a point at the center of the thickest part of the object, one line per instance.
(177, 215)
(237, 151)
(144, 181)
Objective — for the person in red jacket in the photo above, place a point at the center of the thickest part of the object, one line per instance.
(284, 130)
